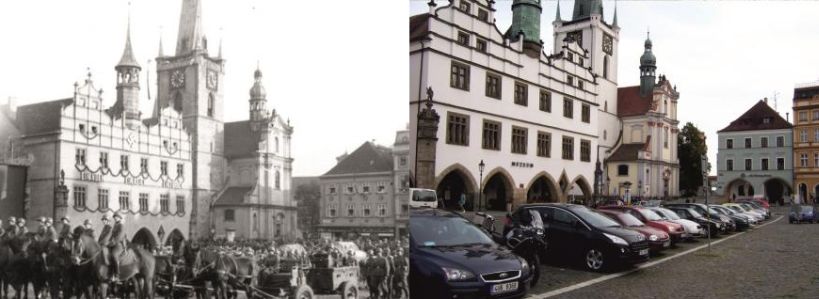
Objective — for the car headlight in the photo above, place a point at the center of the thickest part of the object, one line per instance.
(524, 264)
(653, 238)
(616, 239)
(454, 274)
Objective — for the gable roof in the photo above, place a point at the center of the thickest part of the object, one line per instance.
(419, 27)
(627, 152)
(232, 196)
(41, 117)
(754, 120)
(240, 140)
(367, 158)
(630, 103)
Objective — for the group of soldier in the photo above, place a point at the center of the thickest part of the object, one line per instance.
(112, 237)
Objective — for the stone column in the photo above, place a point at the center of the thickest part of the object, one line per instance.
(60, 198)
(426, 144)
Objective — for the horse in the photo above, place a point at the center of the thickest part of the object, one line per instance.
(5, 257)
(86, 250)
(17, 265)
(58, 274)
(218, 269)
(37, 265)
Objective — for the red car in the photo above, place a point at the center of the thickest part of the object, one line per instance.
(657, 239)
(676, 231)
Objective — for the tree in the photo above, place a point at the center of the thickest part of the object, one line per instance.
(690, 148)
(307, 197)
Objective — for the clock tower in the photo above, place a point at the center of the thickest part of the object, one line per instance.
(191, 83)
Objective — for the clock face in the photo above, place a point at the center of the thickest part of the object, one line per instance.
(607, 44)
(213, 79)
(177, 79)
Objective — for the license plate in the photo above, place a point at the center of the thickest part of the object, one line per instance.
(505, 287)
(643, 252)
(666, 243)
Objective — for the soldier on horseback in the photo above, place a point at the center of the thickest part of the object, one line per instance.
(116, 245)
(22, 230)
(49, 233)
(105, 235)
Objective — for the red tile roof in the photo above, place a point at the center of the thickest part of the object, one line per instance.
(627, 152)
(754, 120)
(630, 103)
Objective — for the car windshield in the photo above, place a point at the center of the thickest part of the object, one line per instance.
(694, 214)
(630, 221)
(736, 209)
(669, 214)
(650, 215)
(446, 231)
(424, 195)
(593, 218)
(745, 207)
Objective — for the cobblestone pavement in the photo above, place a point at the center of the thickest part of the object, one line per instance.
(774, 261)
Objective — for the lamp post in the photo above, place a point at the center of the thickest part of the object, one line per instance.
(480, 189)
(640, 189)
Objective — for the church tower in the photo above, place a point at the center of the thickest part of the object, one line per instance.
(190, 81)
(128, 84)
(526, 21)
(258, 102)
(648, 66)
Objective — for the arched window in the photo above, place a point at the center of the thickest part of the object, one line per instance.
(278, 180)
(255, 223)
(210, 105)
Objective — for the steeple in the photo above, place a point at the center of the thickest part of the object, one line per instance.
(614, 21)
(190, 33)
(128, 59)
(526, 20)
(127, 105)
(586, 8)
(258, 100)
(557, 14)
(161, 49)
(648, 66)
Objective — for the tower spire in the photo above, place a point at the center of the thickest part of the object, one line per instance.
(614, 21)
(557, 13)
(190, 34)
(128, 54)
(220, 43)
(648, 66)
(161, 49)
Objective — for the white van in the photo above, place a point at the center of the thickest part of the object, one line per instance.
(423, 198)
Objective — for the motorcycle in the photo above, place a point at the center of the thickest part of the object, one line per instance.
(526, 240)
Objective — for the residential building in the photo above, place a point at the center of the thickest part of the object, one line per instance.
(806, 140)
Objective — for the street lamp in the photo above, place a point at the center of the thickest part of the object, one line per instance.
(480, 189)
(640, 189)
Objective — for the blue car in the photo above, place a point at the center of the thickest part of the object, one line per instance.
(802, 213)
(450, 257)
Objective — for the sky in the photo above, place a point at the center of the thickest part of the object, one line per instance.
(337, 71)
(724, 56)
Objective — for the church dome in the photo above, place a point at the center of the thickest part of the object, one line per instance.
(257, 91)
(648, 57)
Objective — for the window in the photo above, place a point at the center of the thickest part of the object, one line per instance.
(748, 164)
(780, 163)
(665, 138)
(180, 204)
(780, 141)
(124, 200)
(210, 105)
(457, 129)
(803, 160)
(180, 170)
(815, 159)
(764, 163)
(816, 135)
(729, 143)
(278, 180)
(585, 150)
(580, 84)
(332, 190)
(350, 210)
(581, 62)
(568, 106)
(367, 211)
(803, 135)
(332, 211)
(483, 15)
(545, 101)
(585, 113)
(766, 120)
(79, 157)
(491, 135)
(82, 128)
(730, 165)
(464, 6)
(570, 57)
(480, 45)
(463, 38)
(544, 144)
(568, 148)
(382, 210)
(143, 165)
(230, 215)
(165, 203)
(519, 140)
(104, 160)
(763, 141)
(748, 142)
(622, 170)
(123, 162)
(143, 202)
(79, 196)
(163, 167)
(493, 86)
(803, 116)
(102, 199)
(569, 80)
(521, 94)
(606, 67)
(459, 76)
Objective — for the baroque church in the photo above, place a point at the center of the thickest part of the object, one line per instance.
(176, 172)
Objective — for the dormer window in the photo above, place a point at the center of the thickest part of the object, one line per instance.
(94, 129)
(766, 120)
(82, 128)
(464, 6)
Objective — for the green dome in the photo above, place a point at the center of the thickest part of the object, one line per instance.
(648, 57)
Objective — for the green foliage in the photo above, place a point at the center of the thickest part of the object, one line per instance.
(307, 197)
(690, 148)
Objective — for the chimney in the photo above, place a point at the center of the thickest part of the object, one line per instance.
(766, 100)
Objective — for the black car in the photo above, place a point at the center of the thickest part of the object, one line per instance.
(689, 213)
(579, 232)
(742, 222)
(729, 225)
(450, 257)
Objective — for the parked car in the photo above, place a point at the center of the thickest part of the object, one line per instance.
(452, 258)
(715, 228)
(657, 239)
(729, 224)
(694, 229)
(650, 218)
(423, 198)
(761, 201)
(802, 213)
(577, 232)
(736, 208)
(752, 209)
(766, 210)
(743, 222)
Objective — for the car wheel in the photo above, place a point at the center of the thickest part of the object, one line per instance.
(534, 263)
(594, 259)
